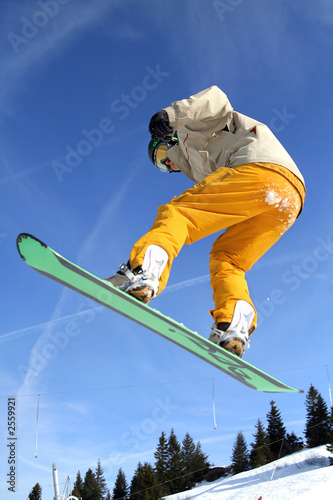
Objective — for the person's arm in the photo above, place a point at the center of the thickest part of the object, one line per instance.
(207, 105)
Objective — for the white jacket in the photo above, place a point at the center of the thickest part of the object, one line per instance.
(206, 145)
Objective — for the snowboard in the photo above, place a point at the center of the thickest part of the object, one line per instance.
(46, 261)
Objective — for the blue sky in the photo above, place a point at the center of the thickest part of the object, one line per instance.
(79, 83)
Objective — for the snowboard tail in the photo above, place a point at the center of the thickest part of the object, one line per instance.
(46, 261)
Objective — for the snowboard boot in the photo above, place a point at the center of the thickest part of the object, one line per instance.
(143, 281)
(234, 336)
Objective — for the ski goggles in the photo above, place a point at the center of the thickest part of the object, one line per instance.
(157, 151)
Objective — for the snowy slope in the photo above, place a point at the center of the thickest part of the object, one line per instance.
(304, 475)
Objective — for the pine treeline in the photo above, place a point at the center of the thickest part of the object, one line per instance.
(270, 444)
(93, 486)
(266, 446)
(179, 466)
(144, 484)
(274, 442)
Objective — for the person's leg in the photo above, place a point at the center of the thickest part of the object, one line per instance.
(235, 251)
(257, 205)
(226, 197)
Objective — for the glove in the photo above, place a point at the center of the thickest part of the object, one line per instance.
(159, 125)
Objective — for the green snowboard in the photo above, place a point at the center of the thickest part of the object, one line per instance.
(48, 262)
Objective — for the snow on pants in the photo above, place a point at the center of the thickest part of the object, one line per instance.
(255, 203)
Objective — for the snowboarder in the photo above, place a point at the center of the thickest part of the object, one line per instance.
(246, 183)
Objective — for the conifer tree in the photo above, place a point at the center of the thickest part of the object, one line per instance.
(188, 454)
(200, 464)
(36, 492)
(293, 443)
(240, 455)
(195, 462)
(77, 486)
(260, 452)
(99, 474)
(317, 428)
(120, 489)
(144, 484)
(161, 456)
(161, 463)
(90, 488)
(175, 466)
(276, 432)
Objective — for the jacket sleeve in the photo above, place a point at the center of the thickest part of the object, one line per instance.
(206, 106)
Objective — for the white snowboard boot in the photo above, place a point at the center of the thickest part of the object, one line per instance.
(142, 282)
(235, 337)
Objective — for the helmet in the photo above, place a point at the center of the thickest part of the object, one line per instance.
(157, 151)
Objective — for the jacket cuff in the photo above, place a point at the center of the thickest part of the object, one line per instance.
(172, 117)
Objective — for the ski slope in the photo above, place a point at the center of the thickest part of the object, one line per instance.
(305, 475)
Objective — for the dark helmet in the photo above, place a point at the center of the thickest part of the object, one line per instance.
(157, 152)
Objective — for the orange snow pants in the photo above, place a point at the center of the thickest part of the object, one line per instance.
(256, 203)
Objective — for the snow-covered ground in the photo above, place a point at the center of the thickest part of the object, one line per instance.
(305, 475)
